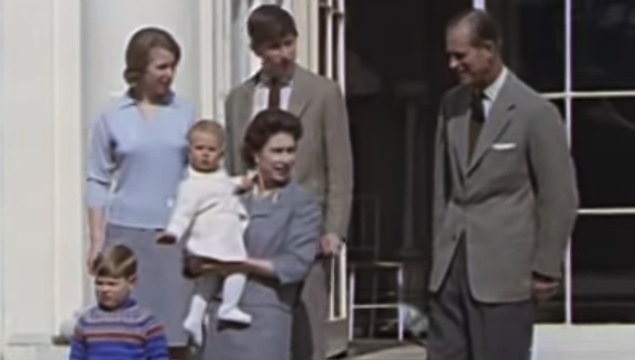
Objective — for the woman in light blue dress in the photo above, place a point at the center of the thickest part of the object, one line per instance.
(138, 155)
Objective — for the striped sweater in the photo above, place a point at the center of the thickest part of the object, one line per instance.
(129, 333)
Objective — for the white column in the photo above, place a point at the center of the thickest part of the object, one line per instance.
(245, 63)
(107, 27)
(216, 60)
(306, 18)
(40, 173)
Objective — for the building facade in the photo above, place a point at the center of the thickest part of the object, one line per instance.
(61, 61)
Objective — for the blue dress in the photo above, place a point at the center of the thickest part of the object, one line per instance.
(135, 165)
(284, 229)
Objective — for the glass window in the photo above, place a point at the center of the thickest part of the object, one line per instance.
(603, 279)
(603, 34)
(603, 146)
(336, 28)
(323, 41)
(552, 311)
(533, 40)
(335, 275)
(560, 105)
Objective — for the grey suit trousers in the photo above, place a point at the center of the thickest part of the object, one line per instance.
(462, 328)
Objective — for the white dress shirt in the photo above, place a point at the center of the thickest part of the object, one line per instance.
(261, 98)
(492, 91)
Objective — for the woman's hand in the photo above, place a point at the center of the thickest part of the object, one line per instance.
(97, 234)
(92, 255)
(246, 183)
(224, 268)
(331, 245)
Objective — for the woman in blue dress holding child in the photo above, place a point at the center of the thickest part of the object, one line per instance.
(282, 241)
(138, 155)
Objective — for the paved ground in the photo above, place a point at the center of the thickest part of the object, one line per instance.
(552, 342)
(406, 352)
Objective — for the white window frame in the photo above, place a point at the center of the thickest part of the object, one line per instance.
(568, 96)
(336, 65)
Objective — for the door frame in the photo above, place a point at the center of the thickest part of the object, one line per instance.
(2, 307)
(332, 58)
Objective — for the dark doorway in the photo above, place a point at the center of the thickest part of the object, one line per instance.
(396, 73)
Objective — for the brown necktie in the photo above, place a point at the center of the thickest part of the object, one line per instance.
(477, 119)
(274, 94)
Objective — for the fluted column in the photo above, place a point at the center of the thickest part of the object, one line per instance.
(41, 211)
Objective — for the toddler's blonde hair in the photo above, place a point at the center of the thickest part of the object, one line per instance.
(208, 126)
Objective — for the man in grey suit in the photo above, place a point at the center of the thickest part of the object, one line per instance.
(324, 159)
(505, 203)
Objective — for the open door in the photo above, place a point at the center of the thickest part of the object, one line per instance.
(331, 64)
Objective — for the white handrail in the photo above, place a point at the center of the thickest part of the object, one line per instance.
(588, 94)
(607, 211)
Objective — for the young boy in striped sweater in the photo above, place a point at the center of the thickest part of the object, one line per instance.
(117, 328)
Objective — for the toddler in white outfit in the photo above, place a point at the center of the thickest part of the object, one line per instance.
(211, 220)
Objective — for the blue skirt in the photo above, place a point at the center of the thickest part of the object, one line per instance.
(161, 286)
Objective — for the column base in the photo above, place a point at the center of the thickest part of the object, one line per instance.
(34, 347)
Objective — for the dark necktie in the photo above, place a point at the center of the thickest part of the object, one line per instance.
(274, 94)
(477, 119)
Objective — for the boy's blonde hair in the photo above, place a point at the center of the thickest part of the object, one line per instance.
(117, 262)
(208, 126)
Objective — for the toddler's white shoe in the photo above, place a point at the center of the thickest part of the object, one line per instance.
(233, 314)
(194, 327)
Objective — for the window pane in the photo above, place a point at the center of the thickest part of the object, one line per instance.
(336, 24)
(552, 311)
(603, 145)
(560, 105)
(603, 35)
(323, 46)
(603, 269)
(533, 40)
(336, 290)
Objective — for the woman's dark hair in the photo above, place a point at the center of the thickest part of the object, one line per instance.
(263, 127)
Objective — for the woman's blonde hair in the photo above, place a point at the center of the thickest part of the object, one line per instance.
(139, 48)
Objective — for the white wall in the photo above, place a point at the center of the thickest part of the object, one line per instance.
(60, 61)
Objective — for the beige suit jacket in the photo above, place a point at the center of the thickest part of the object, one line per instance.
(514, 202)
(324, 164)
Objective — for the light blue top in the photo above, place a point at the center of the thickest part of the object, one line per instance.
(135, 164)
